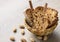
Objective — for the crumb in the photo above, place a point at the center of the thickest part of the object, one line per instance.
(12, 38)
(23, 40)
(22, 32)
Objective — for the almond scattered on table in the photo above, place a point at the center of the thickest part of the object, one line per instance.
(22, 27)
(23, 40)
(12, 38)
(22, 32)
(14, 30)
(32, 40)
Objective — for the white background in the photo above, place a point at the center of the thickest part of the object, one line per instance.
(12, 16)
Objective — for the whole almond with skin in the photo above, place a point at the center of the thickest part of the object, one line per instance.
(12, 38)
(22, 27)
(22, 32)
(14, 30)
(23, 40)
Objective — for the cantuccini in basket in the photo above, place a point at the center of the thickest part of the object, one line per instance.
(42, 20)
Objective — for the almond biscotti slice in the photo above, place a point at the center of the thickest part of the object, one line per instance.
(29, 17)
(28, 14)
(50, 14)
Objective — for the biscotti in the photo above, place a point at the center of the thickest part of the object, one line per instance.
(41, 20)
